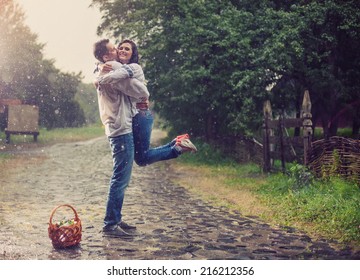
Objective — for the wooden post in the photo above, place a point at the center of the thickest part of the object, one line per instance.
(266, 135)
(282, 146)
(307, 124)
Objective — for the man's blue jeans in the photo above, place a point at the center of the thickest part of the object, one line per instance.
(122, 149)
(144, 155)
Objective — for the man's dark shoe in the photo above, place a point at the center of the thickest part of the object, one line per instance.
(116, 231)
(126, 226)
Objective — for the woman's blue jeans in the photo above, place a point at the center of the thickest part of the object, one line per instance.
(144, 155)
(122, 149)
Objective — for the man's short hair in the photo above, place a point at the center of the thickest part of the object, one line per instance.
(100, 49)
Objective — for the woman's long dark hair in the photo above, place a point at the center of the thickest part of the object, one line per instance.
(135, 54)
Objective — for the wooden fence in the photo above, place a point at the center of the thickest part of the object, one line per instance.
(240, 148)
(336, 156)
(278, 144)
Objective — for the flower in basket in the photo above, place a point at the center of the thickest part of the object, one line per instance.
(65, 223)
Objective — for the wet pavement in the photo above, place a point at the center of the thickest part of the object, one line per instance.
(172, 223)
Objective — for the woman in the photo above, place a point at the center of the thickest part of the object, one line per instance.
(143, 120)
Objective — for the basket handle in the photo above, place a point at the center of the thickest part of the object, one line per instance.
(63, 205)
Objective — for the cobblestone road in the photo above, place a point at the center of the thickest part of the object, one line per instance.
(174, 224)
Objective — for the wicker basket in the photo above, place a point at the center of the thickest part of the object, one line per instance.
(63, 236)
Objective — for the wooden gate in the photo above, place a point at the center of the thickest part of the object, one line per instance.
(277, 144)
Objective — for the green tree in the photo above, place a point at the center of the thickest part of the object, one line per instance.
(195, 53)
(26, 75)
(87, 98)
(325, 61)
(332, 57)
(58, 107)
(210, 63)
(19, 51)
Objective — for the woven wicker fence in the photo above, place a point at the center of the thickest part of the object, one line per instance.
(335, 156)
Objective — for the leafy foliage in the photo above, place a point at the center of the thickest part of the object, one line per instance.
(87, 98)
(212, 64)
(26, 75)
(300, 177)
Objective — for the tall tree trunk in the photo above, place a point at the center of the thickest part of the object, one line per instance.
(210, 127)
(356, 125)
(333, 128)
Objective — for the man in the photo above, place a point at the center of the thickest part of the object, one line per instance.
(116, 113)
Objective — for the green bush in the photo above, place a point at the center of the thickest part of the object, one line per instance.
(300, 176)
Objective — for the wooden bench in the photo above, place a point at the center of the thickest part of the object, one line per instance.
(8, 133)
(22, 119)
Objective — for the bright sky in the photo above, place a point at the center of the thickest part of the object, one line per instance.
(68, 28)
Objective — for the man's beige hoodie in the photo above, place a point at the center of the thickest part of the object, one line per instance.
(118, 92)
